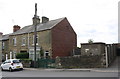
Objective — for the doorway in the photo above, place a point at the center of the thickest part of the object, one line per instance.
(118, 52)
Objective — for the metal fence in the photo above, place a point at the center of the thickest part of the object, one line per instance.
(46, 63)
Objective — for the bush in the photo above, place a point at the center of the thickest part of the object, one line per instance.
(22, 56)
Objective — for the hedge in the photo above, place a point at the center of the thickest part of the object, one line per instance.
(22, 55)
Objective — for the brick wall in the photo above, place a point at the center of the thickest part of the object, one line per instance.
(64, 39)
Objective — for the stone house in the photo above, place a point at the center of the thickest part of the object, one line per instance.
(5, 46)
(54, 37)
(0, 46)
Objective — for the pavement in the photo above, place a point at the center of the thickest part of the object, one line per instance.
(76, 70)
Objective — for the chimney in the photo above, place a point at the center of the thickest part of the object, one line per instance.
(1, 33)
(1, 36)
(16, 28)
(45, 19)
(34, 20)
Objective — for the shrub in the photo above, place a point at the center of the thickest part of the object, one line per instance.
(22, 55)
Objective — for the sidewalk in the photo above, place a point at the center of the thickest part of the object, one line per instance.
(77, 70)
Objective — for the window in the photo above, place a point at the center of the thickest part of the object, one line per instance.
(14, 41)
(7, 61)
(3, 45)
(86, 50)
(23, 41)
(36, 40)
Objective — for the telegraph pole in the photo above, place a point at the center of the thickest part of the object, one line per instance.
(35, 34)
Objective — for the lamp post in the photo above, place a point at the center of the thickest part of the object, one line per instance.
(35, 34)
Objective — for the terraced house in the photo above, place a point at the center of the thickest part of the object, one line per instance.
(0, 46)
(54, 37)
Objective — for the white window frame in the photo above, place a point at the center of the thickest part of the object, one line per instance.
(23, 41)
(33, 40)
(14, 41)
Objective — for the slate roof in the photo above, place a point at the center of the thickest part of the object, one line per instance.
(40, 27)
(30, 28)
(5, 37)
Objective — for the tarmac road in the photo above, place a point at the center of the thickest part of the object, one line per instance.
(51, 73)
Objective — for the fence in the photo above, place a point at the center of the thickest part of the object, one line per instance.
(46, 63)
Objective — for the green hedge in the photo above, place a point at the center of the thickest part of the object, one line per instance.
(22, 55)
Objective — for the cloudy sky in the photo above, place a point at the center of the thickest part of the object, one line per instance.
(91, 19)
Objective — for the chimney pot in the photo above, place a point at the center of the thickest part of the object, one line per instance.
(45, 19)
(16, 28)
(34, 20)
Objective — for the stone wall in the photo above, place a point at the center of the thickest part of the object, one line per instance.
(92, 48)
(80, 62)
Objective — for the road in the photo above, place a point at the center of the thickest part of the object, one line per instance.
(43, 73)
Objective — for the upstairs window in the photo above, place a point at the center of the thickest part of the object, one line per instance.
(3, 45)
(23, 41)
(36, 40)
(14, 41)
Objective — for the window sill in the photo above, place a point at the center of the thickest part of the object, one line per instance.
(23, 45)
(36, 44)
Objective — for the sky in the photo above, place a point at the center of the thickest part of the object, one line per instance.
(91, 19)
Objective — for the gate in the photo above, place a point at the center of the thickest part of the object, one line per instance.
(46, 63)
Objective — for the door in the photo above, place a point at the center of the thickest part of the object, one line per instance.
(118, 52)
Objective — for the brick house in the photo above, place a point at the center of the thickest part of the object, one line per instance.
(55, 37)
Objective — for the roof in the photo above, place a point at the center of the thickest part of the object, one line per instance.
(5, 37)
(40, 27)
(92, 43)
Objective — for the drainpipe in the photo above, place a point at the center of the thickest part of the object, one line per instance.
(6, 56)
(28, 41)
(10, 55)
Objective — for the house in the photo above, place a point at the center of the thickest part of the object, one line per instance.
(54, 37)
(5, 46)
(0, 46)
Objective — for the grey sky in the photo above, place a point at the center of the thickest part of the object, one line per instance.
(91, 19)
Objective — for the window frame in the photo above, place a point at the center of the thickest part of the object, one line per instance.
(23, 43)
(14, 41)
(36, 40)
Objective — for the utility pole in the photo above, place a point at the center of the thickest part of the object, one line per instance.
(35, 34)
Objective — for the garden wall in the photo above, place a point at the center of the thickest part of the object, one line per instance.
(80, 62)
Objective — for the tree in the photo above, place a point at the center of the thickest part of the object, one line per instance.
(90, 41)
